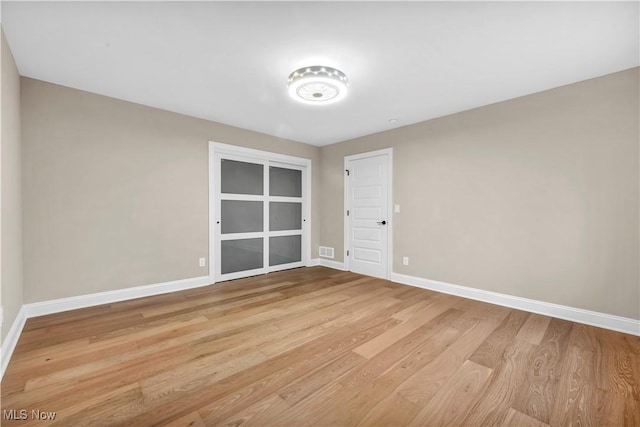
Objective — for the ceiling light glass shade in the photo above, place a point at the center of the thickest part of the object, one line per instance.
(318, 85)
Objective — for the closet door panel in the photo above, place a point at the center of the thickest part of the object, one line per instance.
(241, 177)
(285, 182)
(241, 216)
(285, 249)
(241, 255)
(285, 216)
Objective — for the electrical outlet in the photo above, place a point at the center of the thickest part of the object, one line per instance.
(203, 262)
(396, 208)
(405, 260)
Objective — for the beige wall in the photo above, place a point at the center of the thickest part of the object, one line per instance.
(536, 197)
(116, 194)
(11, 200)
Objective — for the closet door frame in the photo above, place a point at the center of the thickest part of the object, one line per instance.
(216, 150)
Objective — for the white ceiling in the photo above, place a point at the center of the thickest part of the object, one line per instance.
(229, 61)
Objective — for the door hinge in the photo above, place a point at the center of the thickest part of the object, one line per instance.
(347, 171)
(347, 212)
(347, 253)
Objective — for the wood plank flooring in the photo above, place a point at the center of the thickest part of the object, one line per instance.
(318, 347)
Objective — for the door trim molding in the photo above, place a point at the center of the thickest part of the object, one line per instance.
(390, 221)
(220, 148)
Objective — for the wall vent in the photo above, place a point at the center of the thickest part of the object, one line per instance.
(326, 252)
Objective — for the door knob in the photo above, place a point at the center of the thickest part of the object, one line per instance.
(382, 222)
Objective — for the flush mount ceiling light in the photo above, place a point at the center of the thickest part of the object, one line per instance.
(318, 85)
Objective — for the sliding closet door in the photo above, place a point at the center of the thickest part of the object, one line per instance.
(241, 219)
(260, 220)
(285, 216)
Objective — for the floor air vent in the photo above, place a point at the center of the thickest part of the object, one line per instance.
(326, 252)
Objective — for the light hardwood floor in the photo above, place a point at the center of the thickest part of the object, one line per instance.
(315, 346)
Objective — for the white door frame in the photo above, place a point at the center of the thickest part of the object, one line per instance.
(347, 219)
(220, 148)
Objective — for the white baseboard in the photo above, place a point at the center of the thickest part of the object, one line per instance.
(593, 318)
(313, 262)
(11, 340)
(607, 321)
(83, 301)
(336, 265)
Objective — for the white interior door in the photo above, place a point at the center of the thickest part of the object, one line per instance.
(367, 201)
